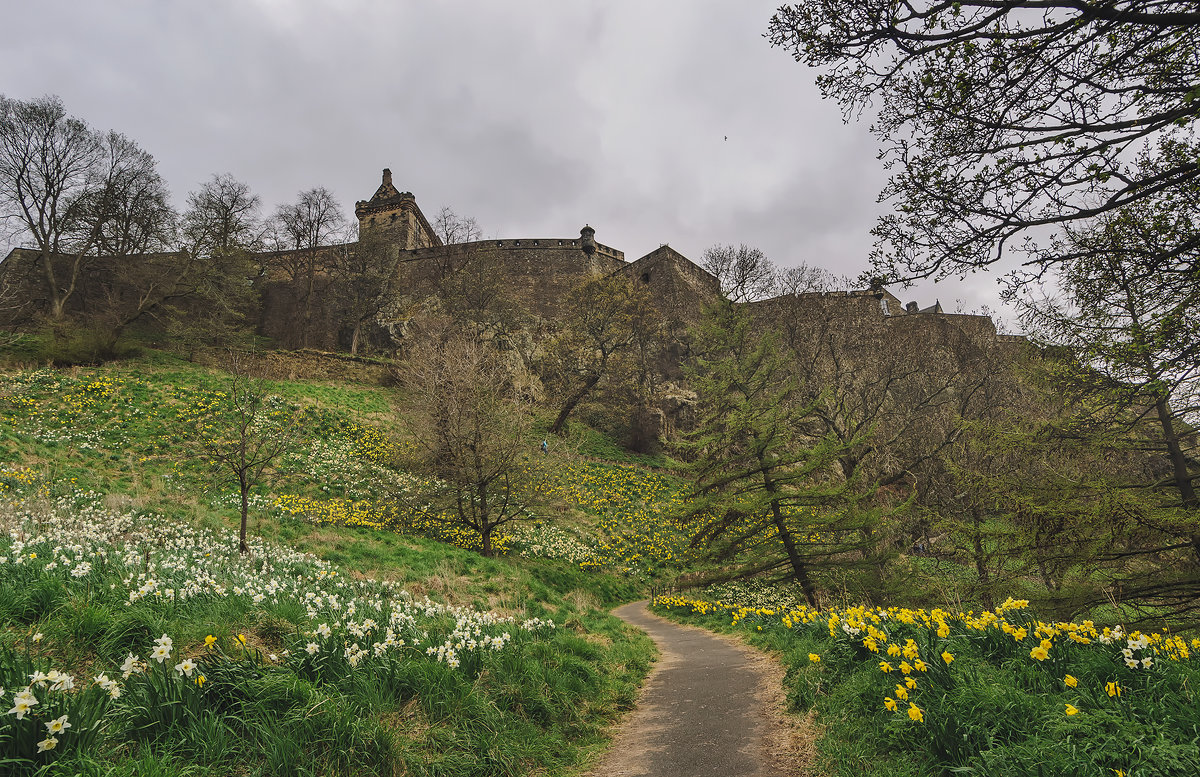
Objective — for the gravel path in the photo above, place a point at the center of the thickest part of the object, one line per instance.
(711, 706)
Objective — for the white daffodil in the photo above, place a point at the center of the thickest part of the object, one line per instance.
(131, 666)
(60, 681)
(58, 725)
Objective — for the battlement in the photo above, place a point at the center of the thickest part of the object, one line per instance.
(525, 243)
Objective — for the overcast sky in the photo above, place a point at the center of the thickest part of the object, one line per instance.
(655, 122)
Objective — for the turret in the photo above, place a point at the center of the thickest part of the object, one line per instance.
(587, 240)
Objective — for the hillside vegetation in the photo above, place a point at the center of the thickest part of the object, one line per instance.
(363, 631)
(137, 639)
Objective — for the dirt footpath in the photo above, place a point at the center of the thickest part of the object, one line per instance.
(711, 706)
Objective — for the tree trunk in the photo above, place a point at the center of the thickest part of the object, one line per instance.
(1179, 471)
(799, 570)
(572, 401)
(981, 567)
(243, 548)
(57, 301)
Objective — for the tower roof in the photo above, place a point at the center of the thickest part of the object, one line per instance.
(387, 193)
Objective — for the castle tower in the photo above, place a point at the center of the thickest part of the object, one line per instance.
(393, 216)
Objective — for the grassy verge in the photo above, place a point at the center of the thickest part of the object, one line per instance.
(916, 692)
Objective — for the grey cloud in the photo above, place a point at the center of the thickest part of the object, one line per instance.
(532, 116)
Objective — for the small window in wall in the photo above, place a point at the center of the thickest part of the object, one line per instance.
(645, 277)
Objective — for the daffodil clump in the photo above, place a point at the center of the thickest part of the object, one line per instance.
(123, 558)
(58, 409)
(633, 533)
(964, 689)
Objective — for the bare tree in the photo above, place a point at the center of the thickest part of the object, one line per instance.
(365, 278)
(244, 434)
(75, 192)
(745, 273)
(453, 228)
(314, 220)
(472, 431)
(471, 285)
(806, 279)
(606, 316)
(221, 216)
(221, 232)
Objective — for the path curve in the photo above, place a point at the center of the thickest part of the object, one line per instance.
(711, 706)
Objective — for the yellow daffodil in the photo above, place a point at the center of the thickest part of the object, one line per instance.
(1072, 709)
(890, 703)
(1070, 681)
(947, 656)
(209, 641)
(816, 659)
(1039, 652)
(1112, 689)
(910, 683)
(915, 713)
(885, 667)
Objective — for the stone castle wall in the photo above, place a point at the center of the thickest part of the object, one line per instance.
(538, 273)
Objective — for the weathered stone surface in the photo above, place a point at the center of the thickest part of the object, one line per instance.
(534, 276)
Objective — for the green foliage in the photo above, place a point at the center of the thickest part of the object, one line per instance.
(769, 494)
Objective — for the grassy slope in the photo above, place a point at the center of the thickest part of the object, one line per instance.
(543, 706)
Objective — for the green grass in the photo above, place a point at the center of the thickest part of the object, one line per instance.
(92, 447)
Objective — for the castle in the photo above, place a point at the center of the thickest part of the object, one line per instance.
(313, 297)
(539, 273)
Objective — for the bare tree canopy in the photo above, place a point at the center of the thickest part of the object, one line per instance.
(472, 431)
(221, 216)
(453, 228)
(132, 214)
(744, 272)
(75, 192)
(1000, 118)
(806, 279)
(606, 315)
(314, 219)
